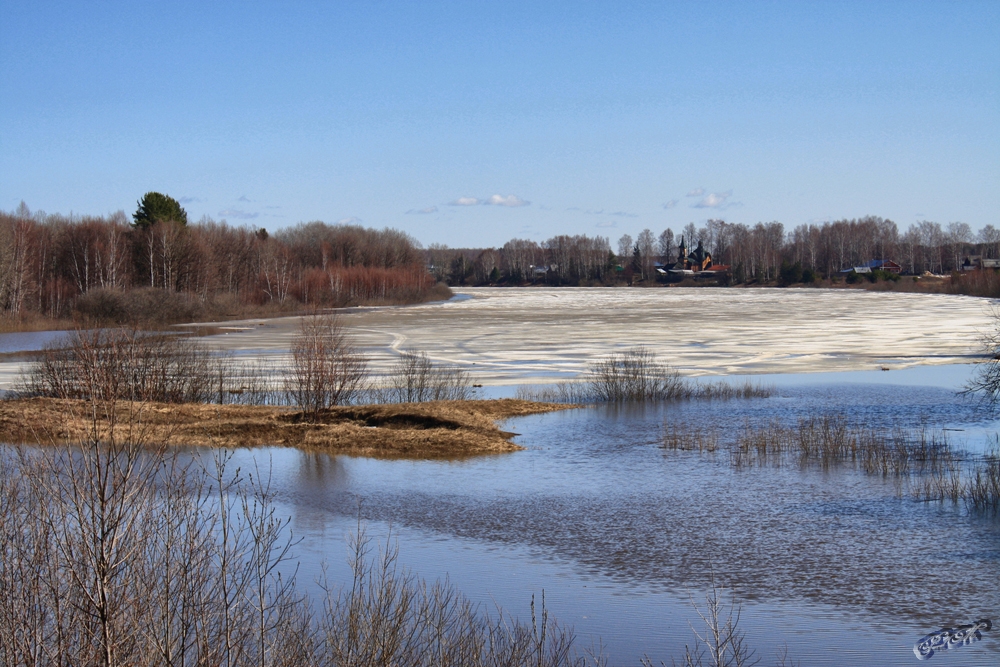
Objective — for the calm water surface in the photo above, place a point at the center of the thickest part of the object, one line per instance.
(621, 534)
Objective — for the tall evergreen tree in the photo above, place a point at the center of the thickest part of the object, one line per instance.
(156, 207)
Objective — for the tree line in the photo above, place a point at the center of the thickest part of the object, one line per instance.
(754, 253)
(155, 264)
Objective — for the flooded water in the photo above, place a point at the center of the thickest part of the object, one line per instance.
(623, 536)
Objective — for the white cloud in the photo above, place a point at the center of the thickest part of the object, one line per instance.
(717, 200)
(509, 200)
(495, 200)
(349, 221)
(670, 204)
(620, 214)
(697, 192)
(238, 213)
(607, 223)
(422, 211)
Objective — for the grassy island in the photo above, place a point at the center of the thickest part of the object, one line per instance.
(435, 429)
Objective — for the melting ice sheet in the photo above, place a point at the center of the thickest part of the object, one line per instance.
(519, 335)
(513, 335)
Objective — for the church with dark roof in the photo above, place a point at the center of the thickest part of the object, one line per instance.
(698, 260)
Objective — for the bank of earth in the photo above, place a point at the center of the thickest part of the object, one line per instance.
(437, 429)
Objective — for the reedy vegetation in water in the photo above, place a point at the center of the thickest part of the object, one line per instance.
(924, 461)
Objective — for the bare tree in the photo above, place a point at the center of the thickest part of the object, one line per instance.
(646, 243)
(624, 248)
(665, 246)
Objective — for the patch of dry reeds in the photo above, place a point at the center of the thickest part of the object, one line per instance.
(679, 438)
(922, 461)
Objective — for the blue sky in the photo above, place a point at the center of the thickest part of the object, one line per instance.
(472, 123)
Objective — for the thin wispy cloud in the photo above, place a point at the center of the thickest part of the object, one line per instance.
(717, 200)
(238, 213)
(494, 200)
(671, 204)
(189, 200)
(422, 211)
(619, 214)
(605, 224)
(697, 192)
(349, 221)
(243, 198)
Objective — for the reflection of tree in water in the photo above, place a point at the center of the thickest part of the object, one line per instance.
(877, 559)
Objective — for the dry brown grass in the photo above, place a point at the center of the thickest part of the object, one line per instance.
(439, 429)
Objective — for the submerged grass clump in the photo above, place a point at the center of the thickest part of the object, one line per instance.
(637, 375)
(924, 463)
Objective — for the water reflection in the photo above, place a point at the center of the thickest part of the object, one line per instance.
(617, 531)
(594, 488)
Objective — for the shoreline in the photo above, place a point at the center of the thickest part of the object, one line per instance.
(436, 429)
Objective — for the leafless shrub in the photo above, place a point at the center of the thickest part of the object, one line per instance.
(147, 306)
(637, 375)
(126, 364)
(721, 642)
(415, 379)
(326, 368)
(985, 381)
(113, 556)
(385, 615)
(633, 375)
(123, 364)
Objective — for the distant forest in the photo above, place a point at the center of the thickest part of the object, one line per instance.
(760, 254)
(157, 268)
